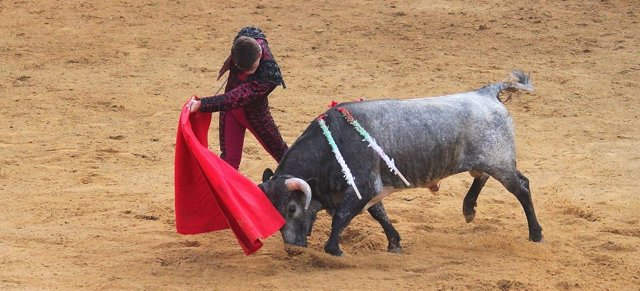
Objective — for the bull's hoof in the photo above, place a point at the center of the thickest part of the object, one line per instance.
(334, 252)
(469, 217)
(469, 212)
(536, 237)
(395, 250)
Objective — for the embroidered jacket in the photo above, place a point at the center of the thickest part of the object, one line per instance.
(251, 92)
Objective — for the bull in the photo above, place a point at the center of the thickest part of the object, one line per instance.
(428, 139)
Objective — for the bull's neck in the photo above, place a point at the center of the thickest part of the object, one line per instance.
(306, 157)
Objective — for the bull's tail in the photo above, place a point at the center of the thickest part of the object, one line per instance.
(517, 81)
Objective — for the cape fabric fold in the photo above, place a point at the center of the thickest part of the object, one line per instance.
(210, 195)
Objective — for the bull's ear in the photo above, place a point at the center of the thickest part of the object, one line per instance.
(266, 175)
(315, 206)
(269, 194)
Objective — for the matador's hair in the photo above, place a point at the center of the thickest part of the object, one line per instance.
(245, 52)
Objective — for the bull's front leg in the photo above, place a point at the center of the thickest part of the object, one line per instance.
(348, 209)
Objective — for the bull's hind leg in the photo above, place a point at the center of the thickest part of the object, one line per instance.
(518, 184)
(469, 204)
(378, 212)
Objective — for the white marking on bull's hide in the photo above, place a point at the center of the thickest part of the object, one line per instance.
(386, 191)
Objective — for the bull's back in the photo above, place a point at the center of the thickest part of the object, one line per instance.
(432, 138)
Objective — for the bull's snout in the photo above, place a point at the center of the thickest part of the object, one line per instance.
(292, 237)
(299, 243)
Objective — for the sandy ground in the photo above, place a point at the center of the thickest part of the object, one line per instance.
(91, 93)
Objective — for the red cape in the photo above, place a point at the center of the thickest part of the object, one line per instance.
(211, 195)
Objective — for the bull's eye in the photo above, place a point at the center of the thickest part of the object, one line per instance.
(292, 210)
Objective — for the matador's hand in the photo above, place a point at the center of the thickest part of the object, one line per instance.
(194, 104)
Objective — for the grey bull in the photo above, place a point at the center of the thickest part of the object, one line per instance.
(429, 139)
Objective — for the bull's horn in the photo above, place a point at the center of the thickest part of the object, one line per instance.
(299, 184)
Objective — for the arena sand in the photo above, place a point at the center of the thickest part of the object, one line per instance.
(91, 93)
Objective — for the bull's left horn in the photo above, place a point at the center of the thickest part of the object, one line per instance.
(299, 184)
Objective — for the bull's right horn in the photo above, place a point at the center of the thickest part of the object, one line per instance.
(301, 185)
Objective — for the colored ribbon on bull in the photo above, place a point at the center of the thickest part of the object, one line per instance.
(372, 143)
(336, 152)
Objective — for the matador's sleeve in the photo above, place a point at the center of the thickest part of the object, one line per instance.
(238, 97)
